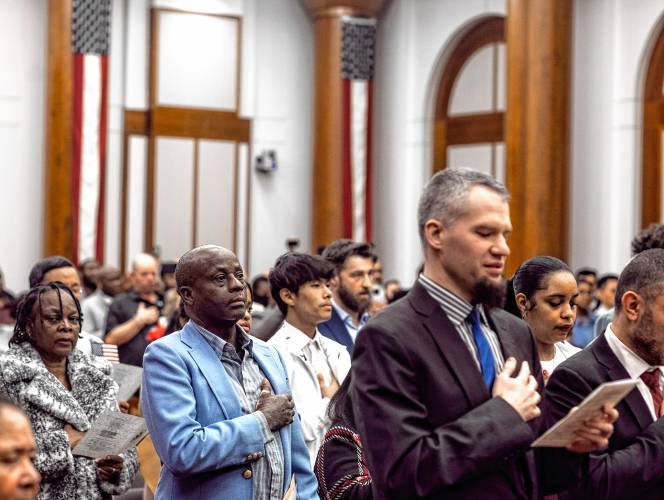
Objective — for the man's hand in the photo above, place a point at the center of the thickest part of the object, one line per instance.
(278, 409)
(73, 435)
(327, 391)
(520, 392)
(146, 315)
(109, 468)
(596, 433)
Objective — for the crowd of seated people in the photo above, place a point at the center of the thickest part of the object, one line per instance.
(343, 385)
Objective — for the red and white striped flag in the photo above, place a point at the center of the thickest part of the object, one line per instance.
(91, 26)
(106, 351)
(357, 66)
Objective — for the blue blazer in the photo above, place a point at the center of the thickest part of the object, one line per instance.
(198, 428)
(335, 329)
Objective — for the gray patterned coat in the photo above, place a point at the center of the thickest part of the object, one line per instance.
(49, 405)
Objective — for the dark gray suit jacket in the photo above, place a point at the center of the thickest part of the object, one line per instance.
(633, 465)
(429, 426)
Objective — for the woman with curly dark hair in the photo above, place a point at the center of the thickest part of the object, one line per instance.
(63, 392)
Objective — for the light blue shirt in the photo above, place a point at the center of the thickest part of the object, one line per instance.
(348, 321)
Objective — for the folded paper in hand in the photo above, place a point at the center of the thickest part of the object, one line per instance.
(111, 434)
(128, 378)
(563, 433)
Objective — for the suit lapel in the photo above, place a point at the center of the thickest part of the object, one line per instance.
(213, 370)
(450, 344)
(616, 371)
(506, 338)
(270, 368)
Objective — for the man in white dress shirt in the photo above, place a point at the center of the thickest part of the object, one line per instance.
(316, 364)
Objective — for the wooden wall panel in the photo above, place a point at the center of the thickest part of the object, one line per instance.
(58, 209)
(537, 126)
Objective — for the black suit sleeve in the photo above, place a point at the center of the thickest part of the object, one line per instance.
(407, 454)
(623, 473)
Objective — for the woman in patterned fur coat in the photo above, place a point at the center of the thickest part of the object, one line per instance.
(62, 392)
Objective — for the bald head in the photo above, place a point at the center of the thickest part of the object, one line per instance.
(193, 264)
(142, 260)
(144, 274)
(210, 281)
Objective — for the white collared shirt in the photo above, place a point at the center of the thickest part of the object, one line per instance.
(304, 358)
(635, 366)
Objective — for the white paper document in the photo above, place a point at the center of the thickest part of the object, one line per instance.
(563, 434)
(111, 434)
(128, 378)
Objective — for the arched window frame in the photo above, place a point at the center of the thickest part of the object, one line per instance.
(652, 141)
(468, 128)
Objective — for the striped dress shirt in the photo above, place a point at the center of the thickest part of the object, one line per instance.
(458, 311)
(246, 378)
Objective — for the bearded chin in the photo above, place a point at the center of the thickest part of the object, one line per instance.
(490, 293)
(645, 341)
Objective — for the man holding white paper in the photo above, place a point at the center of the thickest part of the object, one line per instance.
(631, 347)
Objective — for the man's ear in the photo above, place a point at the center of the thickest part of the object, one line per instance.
(434, 233)
(186, 295)
(632, 305)
(287, 297)
(522, 303)
(334, 281)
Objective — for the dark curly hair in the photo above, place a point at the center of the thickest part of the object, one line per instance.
(27, 304)
(650, 237)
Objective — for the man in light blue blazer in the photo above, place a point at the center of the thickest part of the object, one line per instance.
(216, 402)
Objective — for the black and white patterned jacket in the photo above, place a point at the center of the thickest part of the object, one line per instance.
(25, 380)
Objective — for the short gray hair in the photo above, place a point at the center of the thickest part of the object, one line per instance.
(445, 195)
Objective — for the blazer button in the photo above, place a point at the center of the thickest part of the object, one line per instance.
(247, 474)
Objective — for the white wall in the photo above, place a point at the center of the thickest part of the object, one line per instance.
(411, 38)
(610, 43)
(282, 111)
(23, 31)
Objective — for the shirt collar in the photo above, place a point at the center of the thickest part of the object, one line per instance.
(245, 341)
(298, 339)
(632, 362)
(456, 308)
(345, 317)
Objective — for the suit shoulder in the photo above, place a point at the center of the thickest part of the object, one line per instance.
(583, 361)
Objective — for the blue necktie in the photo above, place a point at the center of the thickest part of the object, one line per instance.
(483, 349)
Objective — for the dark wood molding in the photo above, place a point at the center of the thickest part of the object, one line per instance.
(484, 31)
(653, 124)
(58, 209)
(199, 124)
(334, 8)
(471, 128)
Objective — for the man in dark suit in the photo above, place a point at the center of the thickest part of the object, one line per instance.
(351, 290)
(438, 410)
(631, 347)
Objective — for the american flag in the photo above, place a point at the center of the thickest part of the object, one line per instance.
(106, 351)
(357, 67)
(91, 26)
